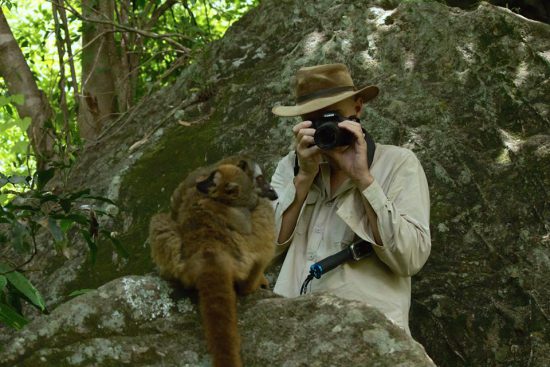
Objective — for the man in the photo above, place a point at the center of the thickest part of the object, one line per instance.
(331, 198)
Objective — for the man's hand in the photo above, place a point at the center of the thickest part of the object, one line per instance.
(309, 155)
(353, 158)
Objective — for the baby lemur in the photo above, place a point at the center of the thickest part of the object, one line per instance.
(219, 238)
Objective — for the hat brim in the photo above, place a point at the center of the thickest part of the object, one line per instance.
(366, 93)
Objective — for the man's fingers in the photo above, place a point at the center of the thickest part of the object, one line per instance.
(352, 127)
(306, 141)
(300, 125)
(310, 152)
(305, 133)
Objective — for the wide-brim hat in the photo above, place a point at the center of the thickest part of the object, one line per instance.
(320, 86)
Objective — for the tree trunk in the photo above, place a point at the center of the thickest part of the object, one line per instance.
(19, 80)
(99, 97)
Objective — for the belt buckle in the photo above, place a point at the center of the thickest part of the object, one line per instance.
(357, 252)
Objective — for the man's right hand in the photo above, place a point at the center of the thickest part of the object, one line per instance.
(309, 157)
(309, 154)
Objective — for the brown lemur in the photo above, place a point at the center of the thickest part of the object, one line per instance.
(219, 238)
(186, 190)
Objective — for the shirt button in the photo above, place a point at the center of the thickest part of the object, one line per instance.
(329, 203)
(311, 257)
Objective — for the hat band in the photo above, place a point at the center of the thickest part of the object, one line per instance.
(323, 93)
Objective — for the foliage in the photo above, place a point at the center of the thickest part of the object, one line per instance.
(13, 140)
(194, 22)
(7, 3)
(62, 216)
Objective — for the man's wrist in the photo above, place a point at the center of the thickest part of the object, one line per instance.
(302, 184)
(363, 181)
(303, 177)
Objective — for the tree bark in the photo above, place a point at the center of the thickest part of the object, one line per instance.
(19, 79)
(98, 100)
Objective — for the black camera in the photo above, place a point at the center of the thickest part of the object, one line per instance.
(327, 133)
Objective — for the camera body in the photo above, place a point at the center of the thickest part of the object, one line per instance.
(327, 133)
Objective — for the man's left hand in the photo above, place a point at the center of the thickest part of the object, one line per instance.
(353, 158)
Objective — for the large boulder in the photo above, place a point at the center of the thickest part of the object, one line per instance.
(467, 91)
(137, 321)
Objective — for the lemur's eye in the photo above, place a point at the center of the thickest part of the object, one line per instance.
(231, 188)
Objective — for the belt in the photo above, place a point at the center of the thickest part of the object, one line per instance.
(356, 251)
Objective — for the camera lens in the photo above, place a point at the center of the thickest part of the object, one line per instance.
(326, 136)
(329, 135)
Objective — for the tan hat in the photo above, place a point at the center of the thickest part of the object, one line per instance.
(323, 85)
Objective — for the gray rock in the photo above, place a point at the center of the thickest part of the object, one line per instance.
(135, 321)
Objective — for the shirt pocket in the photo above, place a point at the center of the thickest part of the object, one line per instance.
(307, 212)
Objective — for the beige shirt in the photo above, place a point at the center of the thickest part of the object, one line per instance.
(328, 223)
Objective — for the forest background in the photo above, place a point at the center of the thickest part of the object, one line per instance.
(68, 69)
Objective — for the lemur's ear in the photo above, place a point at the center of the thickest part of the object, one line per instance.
(211, 181)
(243, 165)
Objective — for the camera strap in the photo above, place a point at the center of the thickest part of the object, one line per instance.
(356, 251)
(371, 147)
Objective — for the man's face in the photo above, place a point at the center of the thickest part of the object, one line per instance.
(346, 108)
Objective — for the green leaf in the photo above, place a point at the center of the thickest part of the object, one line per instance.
(66, 224)
(100, 198)
(72, 218)
(77, 195)
(140, 4)
(65, 205)
(13, 206)
(3, 282)
(80, 292)
(11, 317)
(17, 180)
(20, 147)
(23, 285)
(18, 98)
(3, 182)
(24, 123)
(13, 298)
(91, 245)
(45, 196)
(18, 238)
(55, 230)
(117, 244)
(6, 125)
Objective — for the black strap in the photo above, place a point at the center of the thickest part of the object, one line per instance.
(371, 148)
(356, 251)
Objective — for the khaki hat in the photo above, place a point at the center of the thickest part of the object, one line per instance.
(323, 85)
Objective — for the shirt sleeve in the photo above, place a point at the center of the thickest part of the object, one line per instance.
(403, 215)
(283, 183)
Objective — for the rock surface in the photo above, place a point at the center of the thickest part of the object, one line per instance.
(467, 91)
(135, 321)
